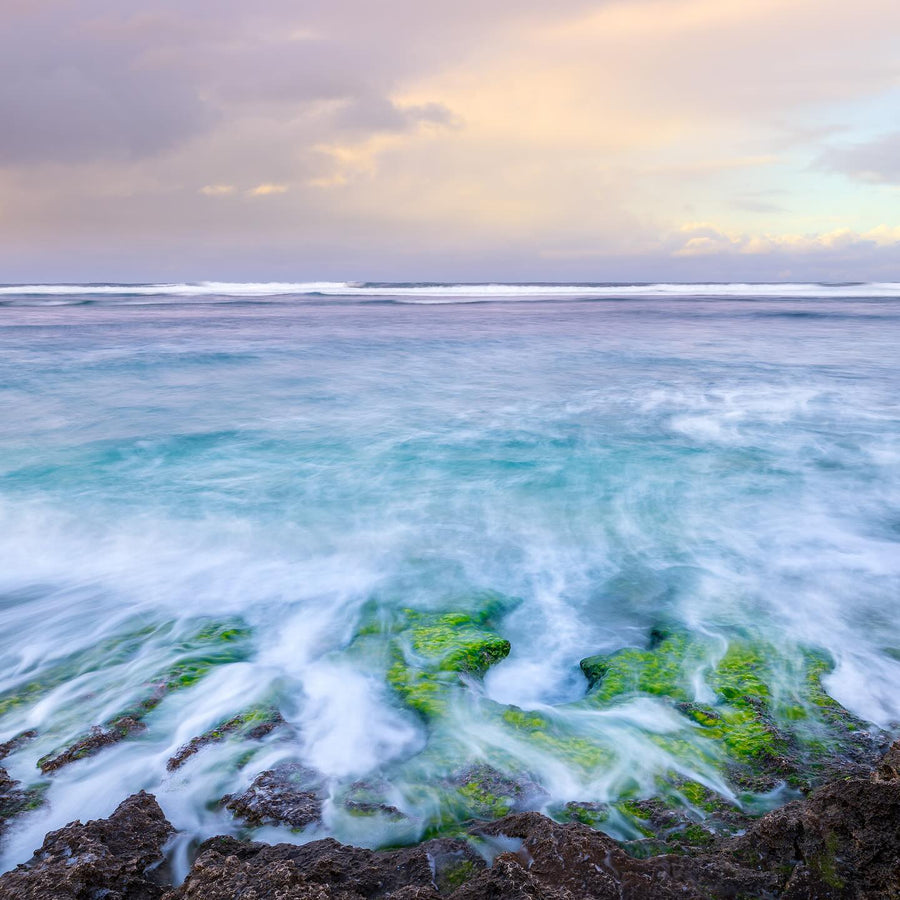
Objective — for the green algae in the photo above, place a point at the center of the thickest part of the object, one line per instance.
(212, 644)
(456, 875)
(106, 653)
(552, 735)
(742, 714)
(429, 653)
(661, 671)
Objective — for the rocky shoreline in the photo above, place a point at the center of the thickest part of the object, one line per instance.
(842, 842)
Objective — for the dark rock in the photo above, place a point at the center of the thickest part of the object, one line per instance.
(226, 868)
(95, 740)
(844, 839)
(289, 794)
(363, 808)
(14, 743)
(104, 858)
(888, 768)
(14, 800)
(489, 794)
(840, 843)
(251, 725)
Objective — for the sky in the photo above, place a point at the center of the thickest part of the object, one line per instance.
(402, 140)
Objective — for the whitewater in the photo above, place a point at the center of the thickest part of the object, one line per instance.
(323, 500)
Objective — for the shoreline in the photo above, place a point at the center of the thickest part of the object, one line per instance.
(842, 841)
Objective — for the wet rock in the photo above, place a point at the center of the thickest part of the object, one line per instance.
(14, 743)
(845, 838)
(15, 800)
(254, 724)
(888, 769)
(106, 859)
(363, 808)
(94, 741)
(370, 798)
(840, 843)
(489, 793)
(226, 868)
(288, 794)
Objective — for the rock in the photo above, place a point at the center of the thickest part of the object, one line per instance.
(845, 839)
(254, 724)
(488, 794)
(103, 858)
(840, 843)
(888, 768)
(14, 800)
(226, 868)
(289, 794)
(95, 740)
(14, 743)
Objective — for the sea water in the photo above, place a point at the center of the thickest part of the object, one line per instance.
(247, 477)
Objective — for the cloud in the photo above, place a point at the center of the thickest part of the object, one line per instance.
(69, 93)
(705, 240)
(217, 190)
(267, 189)
(503, 140)
(876, 161)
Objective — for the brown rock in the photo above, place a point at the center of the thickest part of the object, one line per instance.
(13, 799)
(325, 870)
(289, 794)
(220, 733)
(103, 858)
(96, 739)
(14, 743)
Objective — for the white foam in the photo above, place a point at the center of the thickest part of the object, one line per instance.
(434, 293)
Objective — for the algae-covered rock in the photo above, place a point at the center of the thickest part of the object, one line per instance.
(760, 711)
(487, 793)
(211, 644)
(14, 799)
(17, 741)
(254, 724)
(94, 741)
(555, 736)
(428, 653)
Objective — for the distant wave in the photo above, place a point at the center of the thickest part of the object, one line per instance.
(459, 293)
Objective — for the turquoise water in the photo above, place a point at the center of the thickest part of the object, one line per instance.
(292, 465)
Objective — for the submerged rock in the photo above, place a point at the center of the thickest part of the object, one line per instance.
(840, 843)
(289, 794)
(428, 655)
(15, 800)
(16, 742)
(489, 794)
(94, 741)
(104, 858)
(254, 724)
(213, 644)
(769, 717)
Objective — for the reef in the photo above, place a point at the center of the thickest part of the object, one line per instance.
(253, 724)
(14, 799)
(289, 794)
(212, 644)
(842, 842)
(116, 858)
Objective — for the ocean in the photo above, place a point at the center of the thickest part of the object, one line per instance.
(390, 521)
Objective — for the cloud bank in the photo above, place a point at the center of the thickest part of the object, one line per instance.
(457, 141)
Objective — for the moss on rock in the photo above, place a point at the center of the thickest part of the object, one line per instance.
(427, 653)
